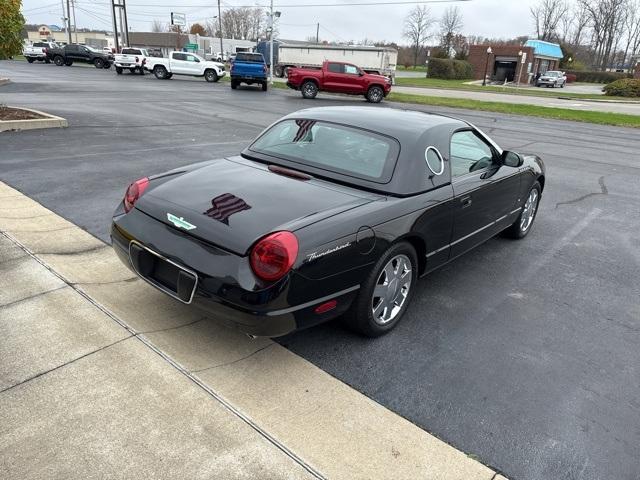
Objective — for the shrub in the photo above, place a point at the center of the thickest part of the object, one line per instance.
(450, 69)
(597, 77)
(626, 87)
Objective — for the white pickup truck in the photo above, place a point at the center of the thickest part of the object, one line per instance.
(133, 59)
(38, 51)
(184, 63)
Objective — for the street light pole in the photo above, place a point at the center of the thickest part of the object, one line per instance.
(519, 68)
(486, 67)
(271, 43)
(220, 28)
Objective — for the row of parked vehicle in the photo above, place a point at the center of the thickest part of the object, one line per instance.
(247, 68)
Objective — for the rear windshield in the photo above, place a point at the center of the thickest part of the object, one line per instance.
(249, 57)
(131, 51)
(331, 147)
(40, 44)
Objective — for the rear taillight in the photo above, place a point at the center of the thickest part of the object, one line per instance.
(274, 255)
(264, 67)
(134, 192)
(137, 59)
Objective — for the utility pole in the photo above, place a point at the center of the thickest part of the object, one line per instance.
(75, 25)
(116, 44)
(68, 23)
(318, 33)
(125, 24)
(271, 43)
(220, 29)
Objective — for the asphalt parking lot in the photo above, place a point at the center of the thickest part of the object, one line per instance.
(524, 354)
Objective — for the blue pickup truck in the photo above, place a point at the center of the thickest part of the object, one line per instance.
(249, 68)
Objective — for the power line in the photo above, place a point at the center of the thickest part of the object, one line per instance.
(298, 5)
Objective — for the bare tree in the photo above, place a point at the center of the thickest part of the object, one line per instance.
(632, 27)
(606, 20)
(546, 16)
(416, 29)
(158, 26)
(450, 26)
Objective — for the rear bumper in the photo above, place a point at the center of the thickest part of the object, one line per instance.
(270, 312)
(249, 78)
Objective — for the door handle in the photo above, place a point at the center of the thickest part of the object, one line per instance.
(466, 202)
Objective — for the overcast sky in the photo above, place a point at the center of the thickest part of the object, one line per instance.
(490, 18)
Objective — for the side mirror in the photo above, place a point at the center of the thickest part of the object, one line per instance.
(511, 159)
(361, 73)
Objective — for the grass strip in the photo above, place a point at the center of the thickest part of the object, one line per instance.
(587, 116)
(461, 85)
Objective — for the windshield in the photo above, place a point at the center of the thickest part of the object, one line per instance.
(552, 74)
(331, 147)
(95, 50)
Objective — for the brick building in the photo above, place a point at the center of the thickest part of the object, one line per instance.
(508, 62)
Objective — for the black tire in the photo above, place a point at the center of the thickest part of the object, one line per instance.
(68, 63)
(141, 70)
(46, 60)
(562, 85)
(264, 86)
(519, 228)
(360, 316)
(169, 75)
(234, 84)
(98, 63)
(58, 60)
(309, 89)
(119, 70)
(160, 72)
(375, 94)
(211, 75)
(132, 70)
(279, 71)
(30, 60)
(107, 65)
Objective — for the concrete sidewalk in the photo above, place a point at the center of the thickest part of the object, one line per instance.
(629, 108)
(102, 376)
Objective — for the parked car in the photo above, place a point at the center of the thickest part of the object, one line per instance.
(330, 211)
(133, 59)
(338, 77)
(249, 68)
(71, 53)
(38, 51)
(183, 63)
(552, 78)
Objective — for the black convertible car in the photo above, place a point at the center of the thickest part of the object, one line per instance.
(330, 211)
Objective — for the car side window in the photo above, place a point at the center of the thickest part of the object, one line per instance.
(469, 153)
(351, 69)
(179, 56)
(191, 58)
(335, 68)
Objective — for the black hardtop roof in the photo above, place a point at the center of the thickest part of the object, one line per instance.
(404, 125)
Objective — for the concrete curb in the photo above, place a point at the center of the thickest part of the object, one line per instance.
(51, 121)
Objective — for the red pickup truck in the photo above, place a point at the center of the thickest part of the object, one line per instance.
(338, 77)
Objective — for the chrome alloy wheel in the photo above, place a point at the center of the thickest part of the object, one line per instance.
(529, 212)
(391, 290)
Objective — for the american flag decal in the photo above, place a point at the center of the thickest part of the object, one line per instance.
(225, 205)
(304, 127)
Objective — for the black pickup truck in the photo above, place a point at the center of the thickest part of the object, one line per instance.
(79, 53)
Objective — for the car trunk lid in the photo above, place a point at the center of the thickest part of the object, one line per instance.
(232, 203)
